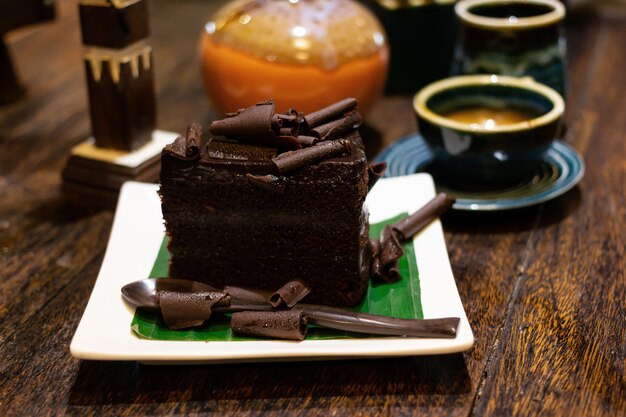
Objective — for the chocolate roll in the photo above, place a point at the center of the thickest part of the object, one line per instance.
(289, 294)
(332, 112)
(287, 324)
(188, 309)
(255, 121)
(340, 319)
(291, 161)
(414, 223)
(337, 128)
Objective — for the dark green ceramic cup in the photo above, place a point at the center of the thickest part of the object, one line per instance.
(484, 151)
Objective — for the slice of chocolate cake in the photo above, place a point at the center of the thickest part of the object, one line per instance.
(280, 198)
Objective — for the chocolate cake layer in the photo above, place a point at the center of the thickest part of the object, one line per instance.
(233, 219)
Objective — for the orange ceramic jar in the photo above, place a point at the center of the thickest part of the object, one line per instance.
(305, 54)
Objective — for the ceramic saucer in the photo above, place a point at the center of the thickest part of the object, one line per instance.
(560, 170)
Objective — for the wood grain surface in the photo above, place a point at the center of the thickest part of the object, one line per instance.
(544, 287)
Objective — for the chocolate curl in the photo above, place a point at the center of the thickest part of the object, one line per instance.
(307, 141)
(285, 131)
(288, 142)
(337, 318)
(375, 171)
(288, 324)
(180, 149)
(194, 140)
(291, 161)
(374, 250)
(414, 223)
(188, 309)
(289, 294)
(390, 251)
(252, 295)
(337, 128)
(332, 112)
(254, 121)
(268, 182)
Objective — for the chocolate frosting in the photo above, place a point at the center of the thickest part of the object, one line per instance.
(289, 294)
(291, 161)
(286, 324)
(236, 151)
(188, 309)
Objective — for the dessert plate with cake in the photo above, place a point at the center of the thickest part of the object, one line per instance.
(271, 198)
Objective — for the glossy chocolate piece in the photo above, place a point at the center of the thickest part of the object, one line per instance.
(417, 221)
(391, 251)
(253, 295)
(189, 309)
(294, 160)
(307, 141)
(340, 319)
(289, 294)
(329, 113)
(286, 324)
(337, 128)
(106, 26)
(254, 122)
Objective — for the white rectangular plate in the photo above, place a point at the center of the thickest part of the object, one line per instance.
(104, 330)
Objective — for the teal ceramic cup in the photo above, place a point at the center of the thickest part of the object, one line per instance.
(488, 129)
(512, 37)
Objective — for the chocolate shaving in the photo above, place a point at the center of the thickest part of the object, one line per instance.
(375, 171)
(307, 141)
(194, 140)
(285, 131)
(179, 149)
(255, 121)
(374, 252)
(288, 324)
(414, 223)
(268, 182)
(290, 161)
(337, 128)
(332, 112)
(188, 309)
(336, 318)
(289, 142)
(390, 251)
(289, 294)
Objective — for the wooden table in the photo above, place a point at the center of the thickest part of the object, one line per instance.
(544, 287)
